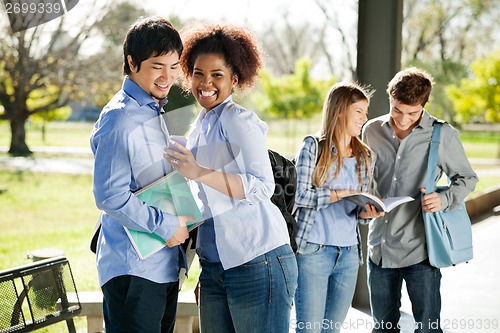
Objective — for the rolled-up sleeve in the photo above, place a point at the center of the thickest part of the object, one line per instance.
(246, 132)
(453, 161)
(113, 181)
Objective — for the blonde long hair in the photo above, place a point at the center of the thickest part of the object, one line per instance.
(333, 126)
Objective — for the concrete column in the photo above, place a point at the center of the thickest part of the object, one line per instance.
(378, 59)
(379, 48)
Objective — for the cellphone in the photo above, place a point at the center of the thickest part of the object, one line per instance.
(179, 139)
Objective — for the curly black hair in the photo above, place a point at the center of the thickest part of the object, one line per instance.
(236, 45)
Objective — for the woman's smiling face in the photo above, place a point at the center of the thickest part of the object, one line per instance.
(212, 80)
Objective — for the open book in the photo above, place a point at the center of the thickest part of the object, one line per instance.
(386, 205)
(171, 194)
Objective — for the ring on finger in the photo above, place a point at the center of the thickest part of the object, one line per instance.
(174, 161)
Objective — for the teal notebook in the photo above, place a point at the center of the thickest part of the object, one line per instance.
(171, 194)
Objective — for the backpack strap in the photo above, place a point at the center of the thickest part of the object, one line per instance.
(317, 151)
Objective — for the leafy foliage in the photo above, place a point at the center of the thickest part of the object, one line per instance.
(444, 37)
(478, 98)
(292, 96)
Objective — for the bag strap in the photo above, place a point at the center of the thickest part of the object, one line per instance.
(317, 151)
(433, 158)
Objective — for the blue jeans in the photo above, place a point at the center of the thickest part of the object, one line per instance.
(422, 282)
(327, 279)
(255, 297)
(136, 305)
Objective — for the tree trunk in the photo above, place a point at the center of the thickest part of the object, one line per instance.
(18, 146)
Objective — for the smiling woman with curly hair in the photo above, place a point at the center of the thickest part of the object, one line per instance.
(248, 269)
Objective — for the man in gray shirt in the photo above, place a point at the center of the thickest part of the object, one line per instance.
(400, 141)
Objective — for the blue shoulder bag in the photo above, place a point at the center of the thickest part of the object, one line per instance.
(448, 233)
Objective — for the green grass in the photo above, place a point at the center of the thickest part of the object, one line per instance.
(39, 211)
(48, 211)
(283, 136)
(66, 134)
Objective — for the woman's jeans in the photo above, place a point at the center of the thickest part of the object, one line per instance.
(327, 279)
(422, 282)
(254, 297)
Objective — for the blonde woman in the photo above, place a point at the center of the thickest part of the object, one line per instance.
(329, 249)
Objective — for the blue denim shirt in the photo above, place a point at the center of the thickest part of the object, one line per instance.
(232, 140)
(127, 142)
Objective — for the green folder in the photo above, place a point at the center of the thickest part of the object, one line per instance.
(171, 194)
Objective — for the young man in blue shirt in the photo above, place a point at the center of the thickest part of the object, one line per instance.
(127, 142)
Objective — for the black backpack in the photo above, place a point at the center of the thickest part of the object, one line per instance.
(285, 179)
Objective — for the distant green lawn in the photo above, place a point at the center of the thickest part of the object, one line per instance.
(66, 134)
(285, 137)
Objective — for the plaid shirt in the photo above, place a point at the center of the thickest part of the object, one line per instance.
(309, 199)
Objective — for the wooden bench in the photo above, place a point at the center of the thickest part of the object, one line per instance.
(35, 295)
(91, 303)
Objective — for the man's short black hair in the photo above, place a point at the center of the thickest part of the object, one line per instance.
(149, 37)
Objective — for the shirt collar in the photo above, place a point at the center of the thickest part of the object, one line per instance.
(386, 120)
(133, 90)
(218, 109)
(427, 121)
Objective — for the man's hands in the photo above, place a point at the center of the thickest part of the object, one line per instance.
(370, 213)
(181, 234)
(431, 202)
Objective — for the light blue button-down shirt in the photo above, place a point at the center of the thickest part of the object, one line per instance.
(232, 140)
(127, 142)
(337, 223)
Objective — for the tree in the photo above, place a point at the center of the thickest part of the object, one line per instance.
(443, 37)
(41, 61)
(286, 44)
(101, 75)
(477, 98)
(36, 100)
(454, 30)
(291, 97)
(346, 33)
(320, 40)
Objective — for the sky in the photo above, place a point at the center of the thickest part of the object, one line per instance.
(246, 12)
(257, 15)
